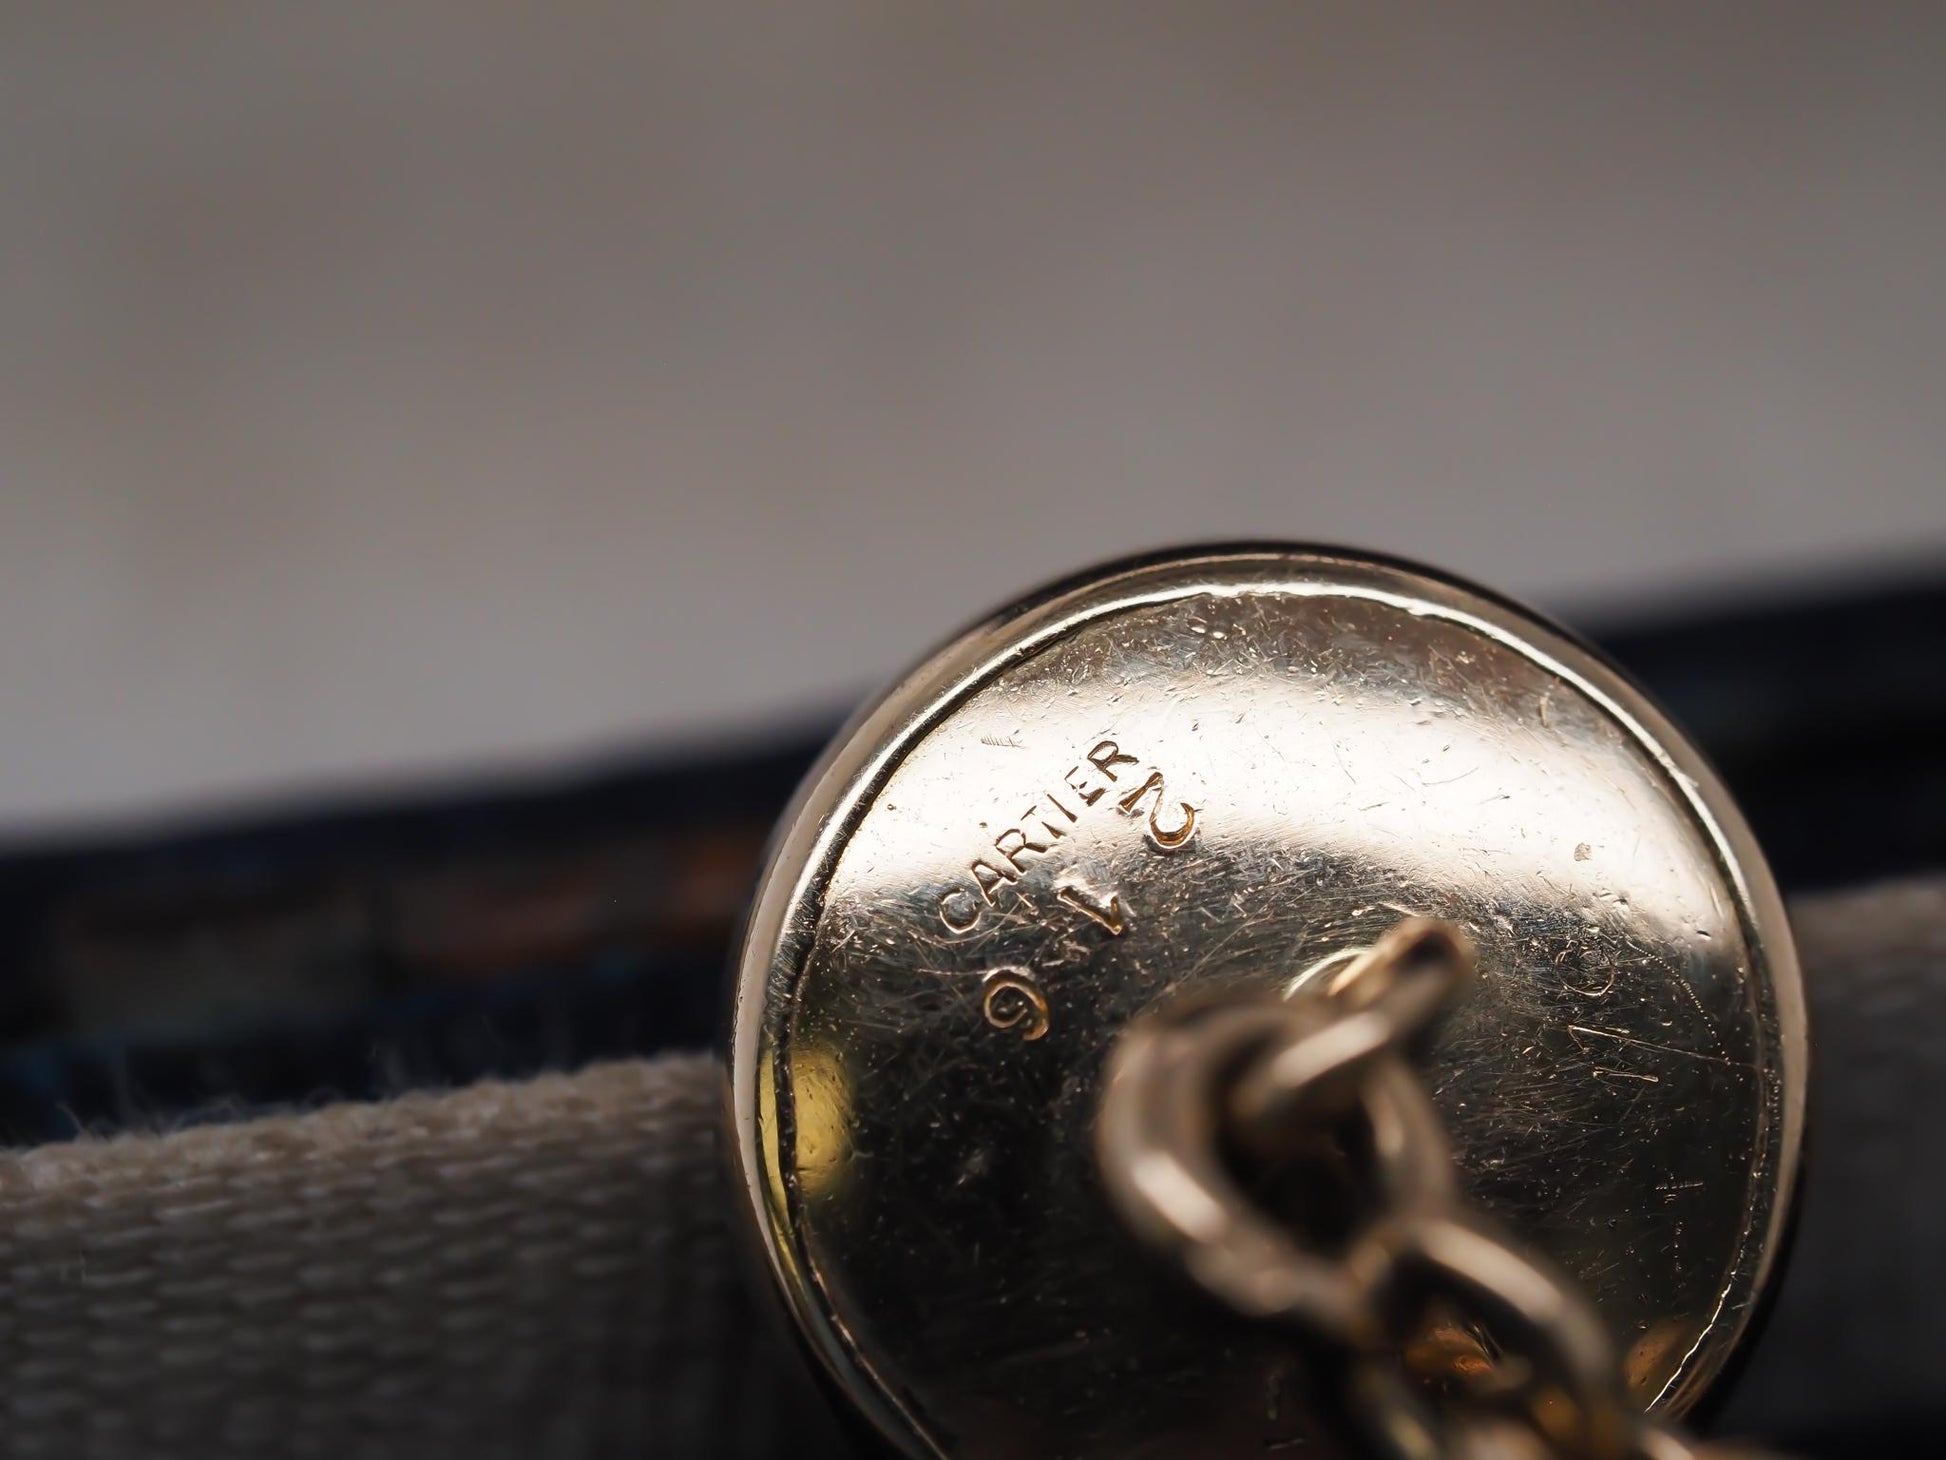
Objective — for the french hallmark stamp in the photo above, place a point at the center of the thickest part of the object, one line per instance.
(1107, 776)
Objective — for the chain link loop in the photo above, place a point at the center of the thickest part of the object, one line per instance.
(1453, 1341)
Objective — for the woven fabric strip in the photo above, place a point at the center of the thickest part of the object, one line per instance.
(549, 1269)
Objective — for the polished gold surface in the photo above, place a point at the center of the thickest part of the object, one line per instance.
(1236, 769)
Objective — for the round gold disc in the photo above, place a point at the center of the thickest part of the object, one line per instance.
(1225, 768)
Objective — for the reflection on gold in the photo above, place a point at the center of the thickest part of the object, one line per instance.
(821, 1100)
(768, 1134)
(1657, 1351)
(1449, 1352)
(1327, 970)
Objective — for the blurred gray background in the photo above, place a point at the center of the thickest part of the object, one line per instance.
(391, 390)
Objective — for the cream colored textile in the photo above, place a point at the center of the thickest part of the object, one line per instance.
(547, 1269)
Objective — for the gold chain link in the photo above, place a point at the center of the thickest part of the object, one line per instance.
(1444, 1339)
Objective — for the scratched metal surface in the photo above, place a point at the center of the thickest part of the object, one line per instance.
(1216, 772)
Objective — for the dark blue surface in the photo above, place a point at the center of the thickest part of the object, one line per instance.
(339, 951)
